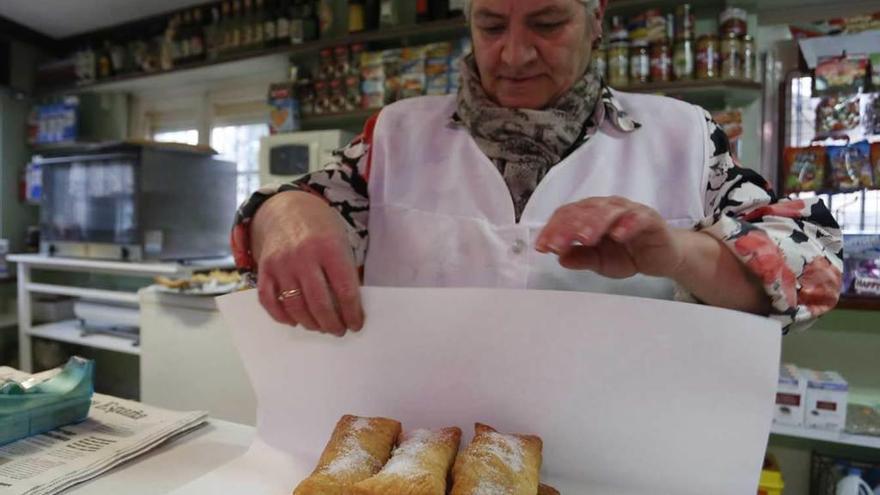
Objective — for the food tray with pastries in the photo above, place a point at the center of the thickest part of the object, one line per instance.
(213, 283)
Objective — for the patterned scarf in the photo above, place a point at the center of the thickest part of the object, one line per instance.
(525, 144)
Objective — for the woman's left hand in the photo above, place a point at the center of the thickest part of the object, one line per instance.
(613, 237)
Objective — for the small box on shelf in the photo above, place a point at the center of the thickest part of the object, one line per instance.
(790, 396)
(826, 400)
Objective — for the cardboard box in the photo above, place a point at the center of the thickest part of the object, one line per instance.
(827, 394)
(790, 396)
(284, 113)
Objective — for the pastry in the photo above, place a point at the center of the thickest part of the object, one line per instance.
(496, 463)
(547, 490)
(419, 466)
(357, 450)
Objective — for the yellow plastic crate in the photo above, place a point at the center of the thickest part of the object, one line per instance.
(771, 478)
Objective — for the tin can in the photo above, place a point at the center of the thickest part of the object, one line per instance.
(618, 64)
(661, 61)
(750, 58)
(731, 57)
(683, 60)
(639, 63)
(707, 57)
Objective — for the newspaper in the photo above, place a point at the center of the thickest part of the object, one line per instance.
(116, 431)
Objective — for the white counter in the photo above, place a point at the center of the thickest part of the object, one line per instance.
(174, 464)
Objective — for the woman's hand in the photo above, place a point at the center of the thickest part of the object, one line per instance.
(613, 237)
(306, 270)
(618, 238)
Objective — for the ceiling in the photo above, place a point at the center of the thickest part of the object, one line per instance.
(63, 18)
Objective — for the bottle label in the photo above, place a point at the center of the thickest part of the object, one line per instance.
(283, 28)
(269, 31)
(297, 31)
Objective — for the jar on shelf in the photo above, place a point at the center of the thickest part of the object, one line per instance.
(707, 57)
(749, 58)
(341, 61)
(684, 22)
(661, 61)
(599, 64)
(683, 60)
(352, 93)
(322, 98)
(618, 63)
(338, 99)
(731, 57)
(639, 63)
(734, 20)
(326, 66)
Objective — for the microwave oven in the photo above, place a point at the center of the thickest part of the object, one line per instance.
(286, 157)
(136, 202)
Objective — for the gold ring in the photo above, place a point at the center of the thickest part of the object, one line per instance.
(289, 294)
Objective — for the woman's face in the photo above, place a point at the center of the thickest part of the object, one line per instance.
(531, 52)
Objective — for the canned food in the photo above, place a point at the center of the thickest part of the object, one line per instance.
(683, 60)
(618, 64)
(750, 58)
(731, 57)
(661, 61)
(734, 20)
(639, 63)
(707, 57)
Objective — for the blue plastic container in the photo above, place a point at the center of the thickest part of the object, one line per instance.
(62, 400)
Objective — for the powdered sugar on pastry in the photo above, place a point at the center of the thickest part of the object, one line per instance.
(488, 488)
(506, 448)
(352, 455)
(405, 459)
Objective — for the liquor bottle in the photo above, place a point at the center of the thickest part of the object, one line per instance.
(282, 24)
(456, 8)
(297, 22)
(172, 43)
(311, 23)
(105, 63)
(356, 16)
(371, 14)
(259, 14)
(269, 25)
(439, 9)
(235, 38)
(214, 35)
(183, 39)
(197, 36)
(247, 25)
(423, 11)
(225, 34)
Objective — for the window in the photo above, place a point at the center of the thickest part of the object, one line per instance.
(185, 136)
(241, 144)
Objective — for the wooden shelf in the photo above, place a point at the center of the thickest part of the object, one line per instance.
(859, 303)
(262, 60)
(354, 119)
(714, 93)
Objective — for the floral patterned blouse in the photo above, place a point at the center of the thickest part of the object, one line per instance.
(794, 247)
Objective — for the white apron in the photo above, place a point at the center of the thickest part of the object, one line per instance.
(441, 214)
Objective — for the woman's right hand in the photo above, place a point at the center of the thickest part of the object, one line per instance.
(306, 270)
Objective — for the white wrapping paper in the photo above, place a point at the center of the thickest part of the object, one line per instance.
(631, 396)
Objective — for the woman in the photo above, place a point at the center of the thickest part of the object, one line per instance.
(536, 175)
